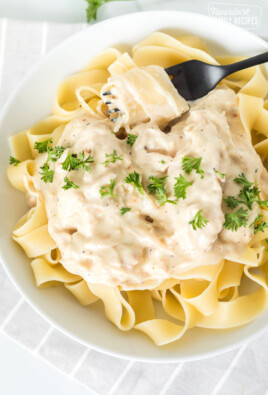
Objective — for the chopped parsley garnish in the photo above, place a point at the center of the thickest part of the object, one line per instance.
(108, 190)
(54, 153)
(112, 158)
(263, 203)
(124, 210)
(131, 138)
(47, 174)
(248, 195)
(69, 184)
(162, 161)
(198, 221)
(258, 224)
(231, 202)
(180, 187)
(42, 146)
(13, 161)
(189, 164)
(222, 175)
(77, 161)
(242, 180)
(235, 220)
(157, 188)
(134, 178)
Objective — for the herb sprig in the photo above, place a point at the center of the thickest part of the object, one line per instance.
(198, 221)
(235, 220)
(157, 188)
(190, 164)
(69, 184)
(108, 190)
(42, 146)
(77, 161)
(112, 158)
(14, 161)
(131, 138)
(134, 178)
(47, 174)
(180, 187)
(258, 224)
(124, 210)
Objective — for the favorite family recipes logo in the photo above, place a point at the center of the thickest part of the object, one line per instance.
(244, 15)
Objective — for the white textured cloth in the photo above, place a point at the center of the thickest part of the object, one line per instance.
(242, 371)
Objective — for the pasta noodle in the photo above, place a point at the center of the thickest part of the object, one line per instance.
(206, 296)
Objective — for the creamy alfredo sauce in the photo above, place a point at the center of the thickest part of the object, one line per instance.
(149, 243)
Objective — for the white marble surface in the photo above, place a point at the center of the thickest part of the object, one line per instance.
(242, 371)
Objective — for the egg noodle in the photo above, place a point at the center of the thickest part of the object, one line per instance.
(210, 296)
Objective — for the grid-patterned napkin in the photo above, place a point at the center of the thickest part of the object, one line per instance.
(242, 371)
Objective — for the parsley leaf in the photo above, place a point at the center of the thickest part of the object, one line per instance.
(235, 220)
(157, 188)
(259, 225)
(248, 196)
(108, 190)
(74, 162)
(222, 175)
(112, 158)
(134, 178)
(54, 153)
(189, 164)
(13, 161)
(124, 210)
(69, 184)
(198, 221)
(242, 180)
(180, 187)
(47, 174)
(131, 138)
(42, 146)
(263, 203)
(231, 202)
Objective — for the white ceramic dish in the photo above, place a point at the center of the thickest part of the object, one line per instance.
(32, 101)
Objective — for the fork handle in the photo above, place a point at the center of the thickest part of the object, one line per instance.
(244, 64)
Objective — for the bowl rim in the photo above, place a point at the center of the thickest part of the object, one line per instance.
(5, 265)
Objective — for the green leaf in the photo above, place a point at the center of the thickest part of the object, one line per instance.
(259, 225)
(157, 188)
(47, 174)
(242, 180)
(189, 164)
(134, 178)
(69, 184)
(112, 158)
(231, 202)
(180, 187)
(131, 138)
(13, 161)
(124, 210)
(54, 153)
(248, 196)
(77, 161)
(42, 146)
(198, 221)
(235, 220)
(108, 190)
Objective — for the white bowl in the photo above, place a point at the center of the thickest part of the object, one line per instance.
(31, 102)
